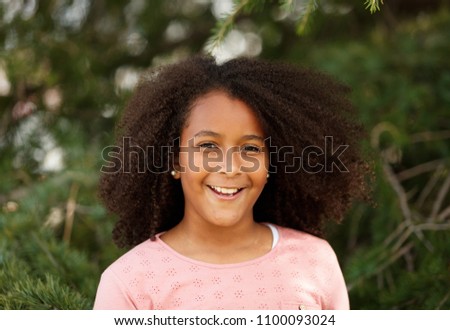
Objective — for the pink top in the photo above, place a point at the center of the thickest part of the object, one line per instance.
(300, 272)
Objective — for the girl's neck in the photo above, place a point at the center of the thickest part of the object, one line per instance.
(214, 244)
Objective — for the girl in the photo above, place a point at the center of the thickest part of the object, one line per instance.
(222, 179)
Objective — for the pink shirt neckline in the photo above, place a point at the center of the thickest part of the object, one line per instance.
(219, 266)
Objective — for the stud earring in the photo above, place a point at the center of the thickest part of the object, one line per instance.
(173, 173)
(267, 176)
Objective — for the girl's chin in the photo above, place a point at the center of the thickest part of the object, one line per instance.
(225, 220)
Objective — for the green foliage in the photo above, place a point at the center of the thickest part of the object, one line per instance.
(22, 290)
(55, 237)
(302, 9)
(36, 258)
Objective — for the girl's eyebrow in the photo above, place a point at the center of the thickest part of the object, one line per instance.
(215, 134)
(206, 133)
(253, 137)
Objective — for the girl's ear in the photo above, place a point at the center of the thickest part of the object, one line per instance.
(175, 174)
(176, 166)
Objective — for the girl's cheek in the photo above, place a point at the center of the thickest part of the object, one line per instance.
(210, 161)
(254, 163)
(191, 160)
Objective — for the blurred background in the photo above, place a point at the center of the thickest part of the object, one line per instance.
(68, 67)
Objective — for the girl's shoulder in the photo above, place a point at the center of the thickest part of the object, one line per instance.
(144, 255)
(297, 240)
(290, 233)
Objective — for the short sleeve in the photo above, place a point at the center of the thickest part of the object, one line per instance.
(111, 294)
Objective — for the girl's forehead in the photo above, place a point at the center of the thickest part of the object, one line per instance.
(218, 110)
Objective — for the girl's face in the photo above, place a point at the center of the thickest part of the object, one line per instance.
(223, 162)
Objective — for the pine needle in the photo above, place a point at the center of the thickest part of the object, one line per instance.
(224, 25)
(373, 5)
(305, 17)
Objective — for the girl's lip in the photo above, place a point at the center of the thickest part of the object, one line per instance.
(225, 196)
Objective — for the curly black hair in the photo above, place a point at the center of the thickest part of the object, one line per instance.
(298, 108)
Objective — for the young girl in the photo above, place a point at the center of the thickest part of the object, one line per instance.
(223, 178)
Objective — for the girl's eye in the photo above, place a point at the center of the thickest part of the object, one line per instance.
(207, 145)
(251, 148)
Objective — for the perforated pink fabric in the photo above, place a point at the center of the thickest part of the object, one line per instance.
(300, 272)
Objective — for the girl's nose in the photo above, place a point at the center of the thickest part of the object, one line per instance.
(231, 164)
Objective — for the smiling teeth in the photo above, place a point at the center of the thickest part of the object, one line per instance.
(227, 191)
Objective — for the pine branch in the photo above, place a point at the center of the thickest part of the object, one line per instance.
(70, 212)
(226, 23)
(398, 244)
(305, 17)
(419, 169)
(442, 302)
(430, 185)
(444, 214)
(373, 5)
(439, 200)
(286, 5)
(20, 288)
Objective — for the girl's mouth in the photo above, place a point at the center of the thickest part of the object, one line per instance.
(226, 192)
